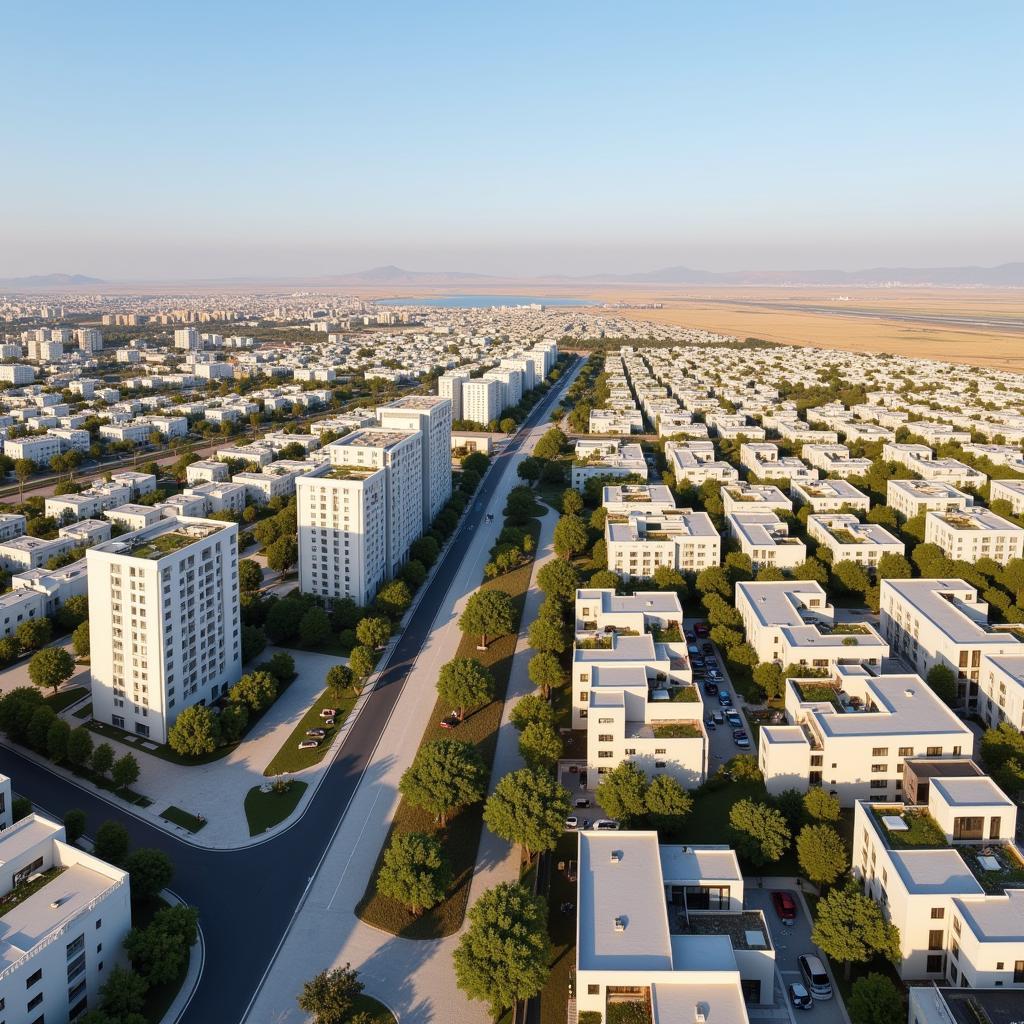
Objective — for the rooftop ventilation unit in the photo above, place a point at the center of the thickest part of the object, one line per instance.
(620, 924)
(616, 856)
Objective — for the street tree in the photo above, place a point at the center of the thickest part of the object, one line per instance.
(572, 502)
(465, 683)
(257, 690)
(942, 680)
(282, 554)
(487, 613)
(330, 997)
(528, 807)
(362, 661)
(531, 708)
(546, 672)
(57, 740)
(503, 956)
(102, 759)
(414, 872)
(760, 832)
(314, 627)
(111, 842)
(570, 536)
(51, 667)
(444, 776)
(125, 771)
(559, 578)
(23, 469)
(822, 853)
(394, 598)
(540, 746)
(622, 793)
(250, 575)
(851, 928)
(122, 997)
(150, 872)
(34, 634)
(79, 746)
(339, 679)
(80, 639)
(547, 635)
(159, 952)
(768, 676)
(195, 732)
(714, 580)
(373, 631)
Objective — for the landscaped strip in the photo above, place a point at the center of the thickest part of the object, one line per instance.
(461, 837)
(265, 808)
(289, 758)
(179, 817)
(65, 698)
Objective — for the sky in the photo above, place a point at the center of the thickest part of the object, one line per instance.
(226, 139)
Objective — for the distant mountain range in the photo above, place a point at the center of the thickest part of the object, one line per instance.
(48, 281)
(1006, 275)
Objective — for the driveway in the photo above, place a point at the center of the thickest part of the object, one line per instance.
(789, 943)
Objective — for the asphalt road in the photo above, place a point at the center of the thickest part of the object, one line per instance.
(246, 898)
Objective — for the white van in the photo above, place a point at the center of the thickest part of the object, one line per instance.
(815, 976)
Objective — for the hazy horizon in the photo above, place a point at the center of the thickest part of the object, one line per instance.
(212, 142)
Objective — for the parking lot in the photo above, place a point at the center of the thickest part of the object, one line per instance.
(789, 942)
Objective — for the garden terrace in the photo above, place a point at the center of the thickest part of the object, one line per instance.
(738, 927)
(684, 695)
(676, 730)
(921, 832)
(982, 860)
(844, 536)
(959, 522)
(818, 693)
(28, 888)
(162, 545)
(672, 634)
(349, 473)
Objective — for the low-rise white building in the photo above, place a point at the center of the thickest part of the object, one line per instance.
(765, 462)
(607, 459)
(741, 496)
(1002, 690)
(1008, 490)
(830, 496)
(850, 540)
(764, 538)
(695, 462)
(640, 542)
(851, 733)
(621, 499)
(972, 533)
(834, 460)
(912, 498)
(791, 622)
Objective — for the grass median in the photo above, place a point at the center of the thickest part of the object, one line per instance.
(266, 808)
(289, 758)
(461, 837)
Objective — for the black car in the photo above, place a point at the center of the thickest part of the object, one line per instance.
(711, 689)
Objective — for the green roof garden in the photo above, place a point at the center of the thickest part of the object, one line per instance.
(676, 730)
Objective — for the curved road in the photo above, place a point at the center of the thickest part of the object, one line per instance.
(246, 898)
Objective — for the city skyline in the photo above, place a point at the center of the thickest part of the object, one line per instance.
(209, 144)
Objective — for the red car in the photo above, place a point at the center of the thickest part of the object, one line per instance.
(785, 906)
(702, 630)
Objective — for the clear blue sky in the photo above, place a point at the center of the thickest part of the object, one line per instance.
(225, 138)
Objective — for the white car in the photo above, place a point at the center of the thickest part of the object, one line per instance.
(606, 825)
(309, 744)
(572, 823)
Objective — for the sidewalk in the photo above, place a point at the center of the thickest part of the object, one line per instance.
(414, 978)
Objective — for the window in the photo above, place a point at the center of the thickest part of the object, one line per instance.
(956, 925)
(593, 990)
(76, 966)
(906, 751)
(880, 752)
(994, 827)
(606, 753)
(33, 978)
(34, 1001)
(938, 913)
(1018, 972)
(935, 938)
(879, 769)
(605, 737)
(935, 751)
(935, 964)
(879, 784)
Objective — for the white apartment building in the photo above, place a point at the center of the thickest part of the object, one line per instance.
(276, 480)
(850, 540)
(764, 538)
(12, 525)
(1008, 490)
(17, 374)
(954, 902)
(834, 460)
(615, 421)
(764, 461)
(38, 449)
(188, 339)
(400, 454)
(911, 498)
(60, 943)
(220, 497)
(621, 499)
(90, 339)
(22, 553)
(639, 542)
(943, 622)
(830, 496)
(1002, 690)
(741, 496)
(665, 926)
(920, 459)
(481, 400)
(972, 533)
(449, 385)
(432, 417)
(133, 517)
(206, 471)
(852, 732)
(791, 622)
(695, 462)
(163, 610)
(606, 459)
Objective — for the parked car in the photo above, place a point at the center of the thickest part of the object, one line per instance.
(327, 712)
(606, 825)
(581, 801)
(572, 823)
(815, 976)
(719, 718)
(707, 647)
(710, 722)
(715, 674)
(449, 721)
(785, 906)
(800, 997)
(711, 689)
(692, 649)
(724, 699)
(702, 629)
(317, 734)
(689, 635)
(697, 661)
(328, 721)
(309, 744)
(732, 716)
(741, 739)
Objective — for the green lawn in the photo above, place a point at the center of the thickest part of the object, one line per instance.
(265, 810)
(289, 758)
(85, 712)
(562, 929)
(65, 698)
(462, 835)
(182, 818)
